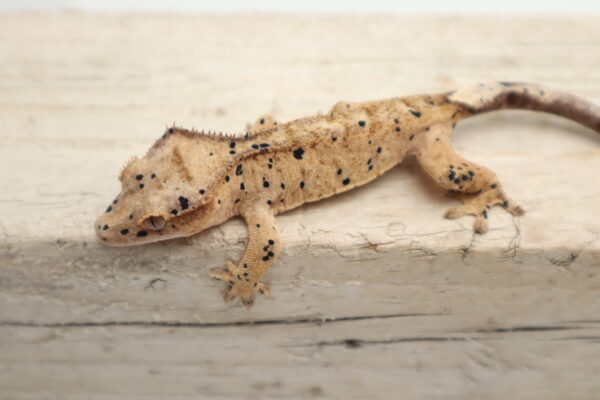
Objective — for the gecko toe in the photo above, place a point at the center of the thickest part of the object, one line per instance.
(481, 225)
(264, 289)
(456, 212)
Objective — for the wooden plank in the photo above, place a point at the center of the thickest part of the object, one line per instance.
(376, 294)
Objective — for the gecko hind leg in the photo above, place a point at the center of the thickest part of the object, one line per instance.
(476, 186)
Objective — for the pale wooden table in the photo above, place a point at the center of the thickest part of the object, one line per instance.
(376, 296)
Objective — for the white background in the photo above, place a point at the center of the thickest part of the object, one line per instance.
(398, 6)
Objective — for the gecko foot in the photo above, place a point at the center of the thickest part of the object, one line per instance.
(236, 288)
(479, 204)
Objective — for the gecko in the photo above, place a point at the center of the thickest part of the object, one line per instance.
(190, 181)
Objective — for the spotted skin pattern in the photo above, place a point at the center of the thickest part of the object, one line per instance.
(190, 181)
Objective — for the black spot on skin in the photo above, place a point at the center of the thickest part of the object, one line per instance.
(265, 248)
(302, 185)
(105, 228)
(270, 254)
(451, 166)
(271, 242)
(493, 186)
(264, 145)
(471, 173)
(411, 137)
(265, 258)
(232, 152)
(184, 203)
(379, 149)
(457, 181)
(262, 121)
(152, 176)
(227, 178)
(245, 265)
(270, 166)
(210, 154)
(266, 184)
(370, 167)
(396, 121)
(369, 161)
(361, 123)
(464, 177)
(131, 216)
(139, 177)
(237, 201)
(427, 129)
(201, 191)
(346, 181)
(242, 186)
(238, 170)
(485, 214)
(370, 141)
(505, 204)
(452, 175)
(283, 185)
(339, 171)
(174, 212)
(232, 145)
(124, 231)
(397, 129)
(170, 130)
(416, 113)
(219, 201)
(141, 185)
(255, 146)
(141, 234)
(115, 201)
(333, 139)
(109, 209)
(298, 153)
(269, 202)
(258, 225)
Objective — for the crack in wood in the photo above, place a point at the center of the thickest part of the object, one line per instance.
(357, 343)
(176, 324)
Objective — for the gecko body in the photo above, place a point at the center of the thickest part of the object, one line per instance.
(189, 181)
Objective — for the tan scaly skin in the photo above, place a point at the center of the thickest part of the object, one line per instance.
(190, 181)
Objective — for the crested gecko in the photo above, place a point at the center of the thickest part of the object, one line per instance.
(190, 181)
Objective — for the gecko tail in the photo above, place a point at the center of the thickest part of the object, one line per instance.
(513, 95)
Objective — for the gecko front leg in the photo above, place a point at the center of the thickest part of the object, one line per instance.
(262, 250)
(262, 123)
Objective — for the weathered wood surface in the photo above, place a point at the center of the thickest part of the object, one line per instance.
(375, 296)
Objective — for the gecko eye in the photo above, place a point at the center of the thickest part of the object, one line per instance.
(155, 222)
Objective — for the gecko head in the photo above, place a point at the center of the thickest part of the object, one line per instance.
(159, 198)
